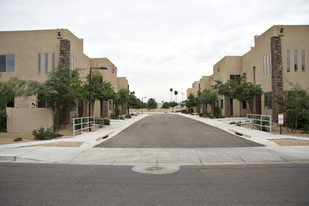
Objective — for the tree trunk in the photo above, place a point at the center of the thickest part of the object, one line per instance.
(65, 115)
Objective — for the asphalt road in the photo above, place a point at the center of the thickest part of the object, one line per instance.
(174, 131)
(44, 184)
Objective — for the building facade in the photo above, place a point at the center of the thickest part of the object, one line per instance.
(31, 55)
(278, 60)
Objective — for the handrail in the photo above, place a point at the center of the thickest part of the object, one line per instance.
(258, 120)
(83, 123)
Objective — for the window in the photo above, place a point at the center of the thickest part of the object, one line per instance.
(42, 103)
(53, 62)
(288, 63)
(270, 65)
(39, 64)
(267, 63)
(295, 60)
(244, 104)
(303, 60)
(268, 100)
(7, 63)
(264, 64)
(221, 103)
(46, 63)
(234, 77)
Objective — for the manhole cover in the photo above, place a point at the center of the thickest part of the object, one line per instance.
(155, 168)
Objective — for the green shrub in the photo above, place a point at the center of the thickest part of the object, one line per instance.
(217, 112)
(3, 120)
(18, 139)
(41, 134)
(128, 116)
(106, 122)
(117, 112)
(114, 116)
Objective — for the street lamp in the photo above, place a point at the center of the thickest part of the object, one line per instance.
(143, 105)
(102, 68)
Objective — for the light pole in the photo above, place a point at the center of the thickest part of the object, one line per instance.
(143, 104)
(89, 111)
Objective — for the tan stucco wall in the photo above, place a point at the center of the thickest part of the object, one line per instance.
(26, 45)
(27, 119)
(122, 83)
(292, 38)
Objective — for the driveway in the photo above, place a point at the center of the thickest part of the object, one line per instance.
(174, 131)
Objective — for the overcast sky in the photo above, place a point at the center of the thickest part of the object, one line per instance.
(157, 44)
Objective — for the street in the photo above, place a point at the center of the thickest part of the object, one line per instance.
(174, 131)
(56, 184)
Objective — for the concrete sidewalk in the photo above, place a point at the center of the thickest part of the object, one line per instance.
(155, 157)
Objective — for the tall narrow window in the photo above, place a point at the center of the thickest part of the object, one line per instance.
(288, 63)
(303, 60)
(53, 62)
(10, 63)
(39, 64)
(295, 60)
(264, 64)
(267, 61)
(270, 65)
(2, 63)
(46, 63)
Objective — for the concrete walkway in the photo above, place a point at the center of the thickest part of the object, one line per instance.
(170, 158)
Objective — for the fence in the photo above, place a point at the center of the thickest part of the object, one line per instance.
(262, 121)
(83, 123)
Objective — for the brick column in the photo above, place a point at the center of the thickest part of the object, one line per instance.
(65, 52)
(276, 77)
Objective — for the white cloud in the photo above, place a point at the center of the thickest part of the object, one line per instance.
(157, 44)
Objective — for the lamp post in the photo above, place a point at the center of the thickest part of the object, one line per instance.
(89, 111)
(143, 105)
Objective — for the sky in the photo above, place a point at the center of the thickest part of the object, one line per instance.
(158, 44)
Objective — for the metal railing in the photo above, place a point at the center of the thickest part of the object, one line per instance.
(81, 124)
(261, 121)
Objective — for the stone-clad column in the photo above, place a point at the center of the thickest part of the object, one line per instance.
(276, 77)
(65, 48)
(65, 52)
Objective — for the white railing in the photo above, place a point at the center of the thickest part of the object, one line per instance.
(261, 121)
(83, 123)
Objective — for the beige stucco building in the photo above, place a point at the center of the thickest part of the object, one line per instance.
(31, 55)
(278, 59)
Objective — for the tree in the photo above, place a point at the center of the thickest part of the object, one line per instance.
(134, 102)
(171, 90)
(176, 92)
(172, 104)
(60, 91)
(238, 89)
(295, 106)
(100, 91)
(209, 97)
(151, 104)
(11, 89)
(123, 96)
(190, 103)
(8, 91)
(165, 105)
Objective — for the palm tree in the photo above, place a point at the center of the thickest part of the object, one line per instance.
(171, 90)
(175, 92)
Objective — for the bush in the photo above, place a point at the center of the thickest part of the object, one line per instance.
(114, 116)
(2, 120)
(41, 134)
(18, 139)
(106, 122)
(128, 116)
(217, 112)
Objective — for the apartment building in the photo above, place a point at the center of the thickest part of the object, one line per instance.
(31, 55)
(278, 59)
